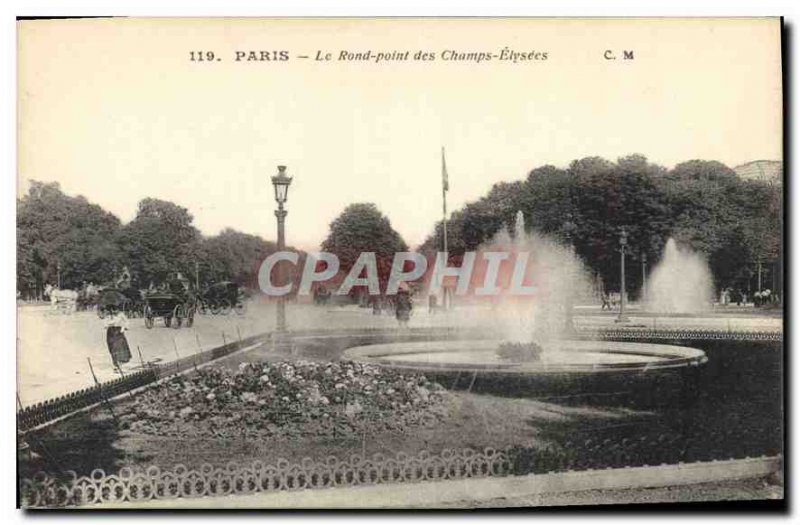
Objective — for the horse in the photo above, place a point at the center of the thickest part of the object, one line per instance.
(61, 300)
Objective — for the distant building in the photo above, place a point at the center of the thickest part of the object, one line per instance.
(764, 170)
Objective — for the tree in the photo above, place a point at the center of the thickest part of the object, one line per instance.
(736, 223)
(548, 202)
(159, 241)
(362, 228)
(698, 195)
(233, 256)
(609, 197)
(59, 235)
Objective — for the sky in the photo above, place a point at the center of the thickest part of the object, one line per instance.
(116, 111)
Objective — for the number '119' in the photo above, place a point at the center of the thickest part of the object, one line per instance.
(201, 56)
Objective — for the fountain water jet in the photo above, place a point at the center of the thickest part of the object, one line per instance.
(680, 283)
(541, 319)
(527, 336)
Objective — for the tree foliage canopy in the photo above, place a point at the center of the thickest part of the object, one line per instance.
(361, 227)
(735, 222)
(60, 235)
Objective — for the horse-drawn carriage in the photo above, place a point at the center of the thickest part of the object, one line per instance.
(173, 308)
(128, 300)
(61, 300)
(222, 298)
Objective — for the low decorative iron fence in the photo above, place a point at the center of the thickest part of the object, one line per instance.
(153, 483)
(52, 409)
(696, 335)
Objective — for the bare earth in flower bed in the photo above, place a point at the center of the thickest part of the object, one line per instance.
(467, 420)
(284, 400)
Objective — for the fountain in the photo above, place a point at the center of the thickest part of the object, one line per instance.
(680, 283)
(531, 335)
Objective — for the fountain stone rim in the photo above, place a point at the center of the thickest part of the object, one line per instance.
(655, 357)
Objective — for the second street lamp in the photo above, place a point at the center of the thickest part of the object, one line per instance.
(281, 183)
(569, 233)
(644, 278)
(623, 243)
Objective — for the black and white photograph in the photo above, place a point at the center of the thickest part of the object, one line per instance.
(399, 263)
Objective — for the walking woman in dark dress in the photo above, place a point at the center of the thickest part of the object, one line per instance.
(403, 306)
(116, 324)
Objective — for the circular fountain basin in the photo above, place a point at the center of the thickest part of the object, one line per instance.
(572, 356)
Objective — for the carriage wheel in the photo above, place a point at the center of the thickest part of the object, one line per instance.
(168, 320)
(190, 316)
(149, 321)
(178, 315)
(225, 307)
(239, 308)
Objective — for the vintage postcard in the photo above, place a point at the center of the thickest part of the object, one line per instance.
(399, 263)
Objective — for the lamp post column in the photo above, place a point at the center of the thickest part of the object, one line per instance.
(644, 275)
(623, 243)
(281, 213)
(281, 183)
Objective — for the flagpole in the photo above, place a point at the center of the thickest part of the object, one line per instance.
(445, 184)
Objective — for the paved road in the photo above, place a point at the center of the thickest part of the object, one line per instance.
(52, 348)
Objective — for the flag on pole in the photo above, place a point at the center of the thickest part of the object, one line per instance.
(445, 183)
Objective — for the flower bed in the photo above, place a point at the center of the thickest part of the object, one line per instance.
(286, 399)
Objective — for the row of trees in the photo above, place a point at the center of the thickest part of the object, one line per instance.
(68, 238)
(736, 223)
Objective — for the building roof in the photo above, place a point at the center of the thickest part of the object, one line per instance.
(764, 170)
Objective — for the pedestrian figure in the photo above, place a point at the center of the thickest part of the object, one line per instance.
(116, 326)
(377, 305)
(178, 284)
(606, 300)
(402, 308)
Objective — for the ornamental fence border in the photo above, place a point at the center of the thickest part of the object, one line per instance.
(705, 335)
(141, 485)
(152, 483)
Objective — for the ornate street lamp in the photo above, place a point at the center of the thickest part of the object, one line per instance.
(569, 228)
(623, 244)
(281, 183)
(644, 275)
